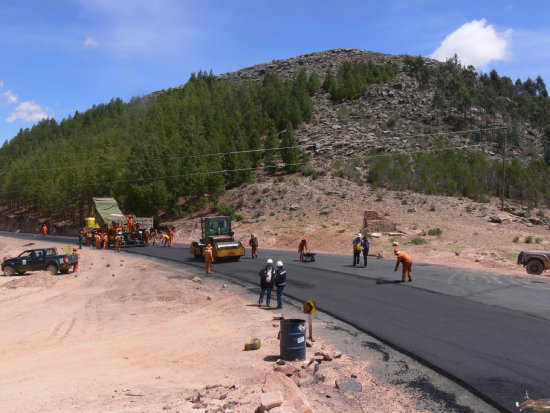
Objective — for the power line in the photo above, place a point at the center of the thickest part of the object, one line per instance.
(229, 170)
(170, 158)
(203, 155)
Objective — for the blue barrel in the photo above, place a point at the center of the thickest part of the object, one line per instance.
(293, 339)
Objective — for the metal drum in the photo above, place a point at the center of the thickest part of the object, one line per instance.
(293, 339)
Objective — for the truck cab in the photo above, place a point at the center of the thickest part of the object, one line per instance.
(39, 259)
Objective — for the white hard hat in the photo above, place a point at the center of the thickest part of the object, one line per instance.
(359, 235)
(279, 263)
(270, 261)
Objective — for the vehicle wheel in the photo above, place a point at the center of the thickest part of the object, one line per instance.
(52, 269)
(9, 271)
(64, 271)
(535, 267)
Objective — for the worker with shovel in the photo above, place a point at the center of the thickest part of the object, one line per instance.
(406, 261)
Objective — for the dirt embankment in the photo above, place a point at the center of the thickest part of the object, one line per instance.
(126, 334)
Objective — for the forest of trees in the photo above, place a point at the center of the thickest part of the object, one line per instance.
(353, 77)
(177, 150)
(461, 173)
(153, 152)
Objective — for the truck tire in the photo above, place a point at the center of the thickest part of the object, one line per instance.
(534, 267)
(52, 269)
(9, 271)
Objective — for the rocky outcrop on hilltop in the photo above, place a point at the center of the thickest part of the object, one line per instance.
(387, 117)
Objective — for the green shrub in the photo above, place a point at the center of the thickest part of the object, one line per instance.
(540, 214)
(272, 214)
(529, 239)
(403, 202)
(225, 210)
(347, 171)
(308, 170)
(538, 240)
(435, 232)
(516, 239)
(238, 217)
(418, 241)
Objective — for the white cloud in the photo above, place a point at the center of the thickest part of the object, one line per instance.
(1, 84)
(29, 111)
(9, 96)
(475, 43)
(91, 42)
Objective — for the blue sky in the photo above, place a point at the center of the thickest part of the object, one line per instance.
(59, 56)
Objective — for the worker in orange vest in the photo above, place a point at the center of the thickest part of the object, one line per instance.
(253, 242)
(146, 235)
(171, 236)
(130, 223)
(106, 241)
(44, 229)
(75, 251)
(302, 248)
(118, 240)
(155, 237)
(89, 237)
(208, 258)
(165, 240)
(97, 238)
(406, 261)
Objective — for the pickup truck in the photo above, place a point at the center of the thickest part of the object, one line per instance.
(535, 262)
(39, 260)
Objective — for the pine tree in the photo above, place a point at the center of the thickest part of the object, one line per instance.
(290, 155)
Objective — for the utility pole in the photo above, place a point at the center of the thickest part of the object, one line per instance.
(503, 169)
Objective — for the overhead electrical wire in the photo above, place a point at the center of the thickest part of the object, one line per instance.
(204, 155)
(234, 170)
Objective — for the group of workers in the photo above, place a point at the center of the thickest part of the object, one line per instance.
(100, 240)
(270, 277)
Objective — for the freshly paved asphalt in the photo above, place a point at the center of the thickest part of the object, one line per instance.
(491, 333)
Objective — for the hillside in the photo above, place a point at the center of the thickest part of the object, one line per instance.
(395, 122)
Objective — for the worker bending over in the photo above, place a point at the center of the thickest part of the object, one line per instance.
(406, 262)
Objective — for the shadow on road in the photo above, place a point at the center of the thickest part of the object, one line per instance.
(381, 282)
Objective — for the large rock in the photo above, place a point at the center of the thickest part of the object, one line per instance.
(270, 400)
(292, 395)
(347, 384)
(286, 369)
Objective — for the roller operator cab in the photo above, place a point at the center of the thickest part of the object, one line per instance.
(217, 232)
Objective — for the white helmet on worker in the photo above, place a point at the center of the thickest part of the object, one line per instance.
(270, 261)
(279, 263)
(359, 235)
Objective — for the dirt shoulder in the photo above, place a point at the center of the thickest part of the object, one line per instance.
(127, 334)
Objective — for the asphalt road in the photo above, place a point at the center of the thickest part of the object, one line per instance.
(490, 333)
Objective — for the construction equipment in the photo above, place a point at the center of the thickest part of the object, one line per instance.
(217, 232)
(108, 218)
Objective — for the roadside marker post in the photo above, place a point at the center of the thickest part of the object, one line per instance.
(309, 309)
